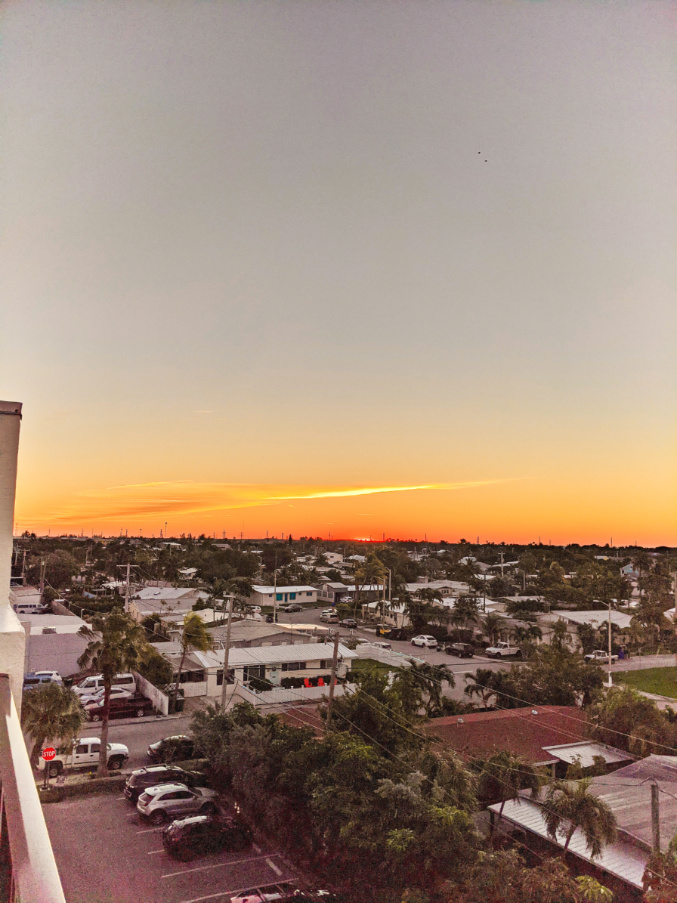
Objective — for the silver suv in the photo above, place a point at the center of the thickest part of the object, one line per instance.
(166, 801)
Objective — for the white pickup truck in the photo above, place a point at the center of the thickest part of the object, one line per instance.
(599, 655)
(502, 650)
(85, 753)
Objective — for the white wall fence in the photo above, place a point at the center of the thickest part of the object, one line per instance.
(284, 695)
(159, 699)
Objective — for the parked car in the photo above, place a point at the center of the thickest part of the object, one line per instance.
(399, 633)
(115, 693)
(171, 749)
(160, 774)
(40, 678)
(329, 616)
(85, 753)
(283, 893)
(130, 707)
(198, 835)
(381, 644)
(94, 682)
(383, 630)
(166, 801)
(424, 640)
(503, 650)
(599, 655)
(462, 650)
(348, 622)
(290, 606)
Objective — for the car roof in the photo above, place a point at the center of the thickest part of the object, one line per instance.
(165, 788)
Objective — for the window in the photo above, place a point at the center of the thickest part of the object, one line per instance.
(81, 749)
(278, 597)
(230, 677)
(292, 595)
(254, 671)
(324, 663)
(293, 666)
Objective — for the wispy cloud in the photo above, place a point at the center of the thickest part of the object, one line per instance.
(167, 498)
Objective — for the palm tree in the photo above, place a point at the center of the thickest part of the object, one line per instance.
(195, 636)
(116, 644)
(504, 775)
(492, 624)
(51, 712)
(571, 805)
(431, 677)
(482, 685)
(465, 612)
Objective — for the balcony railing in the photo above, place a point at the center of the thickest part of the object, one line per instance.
(28, 871)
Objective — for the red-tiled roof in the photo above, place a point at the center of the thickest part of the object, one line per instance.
(304, 716)
(516, 730)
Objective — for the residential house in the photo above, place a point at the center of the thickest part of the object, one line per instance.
(549, 737)
(204, 670)
(53, 643)
(268, 595)
(628, 792)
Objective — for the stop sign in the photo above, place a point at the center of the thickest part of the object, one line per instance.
(48, 754)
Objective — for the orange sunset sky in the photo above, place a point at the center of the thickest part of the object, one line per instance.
(352, 269)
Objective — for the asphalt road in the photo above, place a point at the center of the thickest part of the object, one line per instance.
(137, 735)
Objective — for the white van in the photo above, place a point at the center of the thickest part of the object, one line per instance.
(89, 685)
(329, 616)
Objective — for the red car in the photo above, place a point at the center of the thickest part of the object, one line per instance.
(132, 707)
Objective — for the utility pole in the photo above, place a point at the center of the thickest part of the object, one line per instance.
(23, 570)
(655, 818)
(128, 568)
(226, 652)
(332, 682)
(43, 566)
(501, 553)
(610, 680)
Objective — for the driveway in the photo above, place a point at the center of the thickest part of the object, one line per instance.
(106, 853)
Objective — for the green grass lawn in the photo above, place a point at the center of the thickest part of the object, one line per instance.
(362, 664)
(662, 681)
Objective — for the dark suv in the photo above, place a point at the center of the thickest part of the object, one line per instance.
(462, 650)
(171, 749)
(160, 774)
(186, 838)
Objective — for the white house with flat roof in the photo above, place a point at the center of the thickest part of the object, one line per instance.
(204, 670)
(268, 595)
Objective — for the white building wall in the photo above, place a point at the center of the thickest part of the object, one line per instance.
(12, 636)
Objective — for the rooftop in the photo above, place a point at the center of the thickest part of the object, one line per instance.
(526, 732)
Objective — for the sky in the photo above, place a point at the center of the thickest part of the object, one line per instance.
(400, 269)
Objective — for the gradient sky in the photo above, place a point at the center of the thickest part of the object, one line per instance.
(258, 255)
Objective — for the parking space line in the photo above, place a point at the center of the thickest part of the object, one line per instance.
(155, 852)
(256, 848)
(150, 831)
(215, 865)
(272, 865)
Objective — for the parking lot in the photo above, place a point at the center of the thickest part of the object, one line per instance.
(106, 853)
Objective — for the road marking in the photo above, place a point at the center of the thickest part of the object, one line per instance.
(256, 848)
(154, 852)
(120, 797)
(149, 831)
(272, 865)
(215, 865)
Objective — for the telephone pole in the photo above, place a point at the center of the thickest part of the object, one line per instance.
(332, 682)
(128, 567)
(226, 652)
